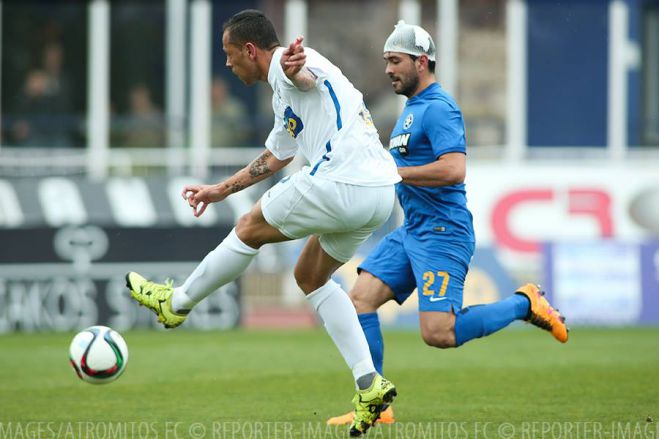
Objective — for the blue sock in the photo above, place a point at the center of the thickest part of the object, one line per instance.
(481, 320)
(371, 326)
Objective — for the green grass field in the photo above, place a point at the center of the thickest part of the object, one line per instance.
(517, 376)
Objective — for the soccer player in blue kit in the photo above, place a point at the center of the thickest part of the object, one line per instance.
(431, 251)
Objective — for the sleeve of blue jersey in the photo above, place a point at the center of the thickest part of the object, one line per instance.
(444, 127)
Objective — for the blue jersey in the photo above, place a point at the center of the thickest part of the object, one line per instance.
(431, 125)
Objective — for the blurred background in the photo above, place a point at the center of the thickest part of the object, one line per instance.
(107, 108)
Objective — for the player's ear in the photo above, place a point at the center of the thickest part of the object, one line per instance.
(251, 50)
(423, 63)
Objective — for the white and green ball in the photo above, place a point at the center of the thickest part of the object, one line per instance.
(98, 354)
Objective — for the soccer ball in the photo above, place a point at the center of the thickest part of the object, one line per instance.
(98, 354)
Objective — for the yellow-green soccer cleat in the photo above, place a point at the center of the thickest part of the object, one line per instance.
(370, 402)
(156, 297)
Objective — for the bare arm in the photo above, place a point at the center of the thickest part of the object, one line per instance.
(292, 62)
(448, 169)
(200, 196)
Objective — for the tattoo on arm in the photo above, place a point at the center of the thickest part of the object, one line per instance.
(260, 165)
(237, 187)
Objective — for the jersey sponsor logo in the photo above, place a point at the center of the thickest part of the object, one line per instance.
(409, 120)
(293, 123)
(366, 115)
(400, 143)
(437, 299)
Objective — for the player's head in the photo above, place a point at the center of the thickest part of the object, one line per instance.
(410, 56)
(246, 37)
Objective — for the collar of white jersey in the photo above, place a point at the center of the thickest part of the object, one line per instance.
(275, 63)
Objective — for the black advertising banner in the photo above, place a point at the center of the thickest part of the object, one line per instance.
(63, 279)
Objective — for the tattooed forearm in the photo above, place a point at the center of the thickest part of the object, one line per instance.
(237, 187)
(260, 165)
(254, 172)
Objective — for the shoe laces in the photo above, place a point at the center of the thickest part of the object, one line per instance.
(156, 289)
(162, 287)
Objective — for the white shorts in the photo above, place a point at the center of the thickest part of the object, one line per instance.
(343, 215)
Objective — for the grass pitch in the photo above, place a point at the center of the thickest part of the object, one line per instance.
(231, 381)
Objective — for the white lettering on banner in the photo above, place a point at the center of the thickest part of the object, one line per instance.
(131, 202)
(69, 300)
(119, 300)
(61, 202)
(11, 214)
(34, 298)
(59, 304)
(81, 245)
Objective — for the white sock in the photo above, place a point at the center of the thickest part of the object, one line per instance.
(219, 267)
(341, 322)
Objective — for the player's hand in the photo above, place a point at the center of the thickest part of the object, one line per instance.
(199, 196)
(293, 58)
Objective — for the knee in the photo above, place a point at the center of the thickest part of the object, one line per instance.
(245, 233)
(439, 339)
(363, 302)
(308, 281)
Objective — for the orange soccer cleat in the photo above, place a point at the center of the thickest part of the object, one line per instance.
(386, 417)
(542, 314)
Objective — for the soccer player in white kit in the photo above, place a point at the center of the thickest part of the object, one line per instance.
(345, 193)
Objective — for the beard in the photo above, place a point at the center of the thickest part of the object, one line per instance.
(408, 85)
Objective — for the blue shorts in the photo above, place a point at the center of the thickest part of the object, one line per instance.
(437, 268)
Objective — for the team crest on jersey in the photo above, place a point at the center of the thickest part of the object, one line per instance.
(408, 121)
(292, 122)
(400, 143)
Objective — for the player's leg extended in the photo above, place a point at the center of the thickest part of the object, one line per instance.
(367, 295)
(444, 330)
(339, 316)
(444, 284)
(220, 266)
(481, 320)
(312, 273)
(528, 303)
(384, 275)
(441, 268)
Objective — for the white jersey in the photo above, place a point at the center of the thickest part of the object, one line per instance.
(329, 124)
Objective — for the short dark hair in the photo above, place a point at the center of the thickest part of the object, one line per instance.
(431, 64)
(251, 26)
